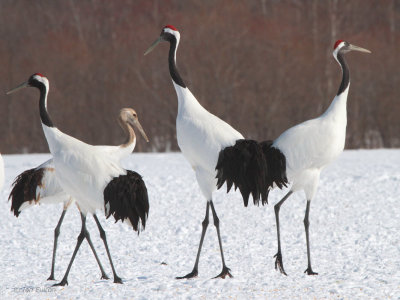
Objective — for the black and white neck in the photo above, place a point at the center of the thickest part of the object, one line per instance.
(40, 82)
(171, 35)
(340, 49)
(338, 105)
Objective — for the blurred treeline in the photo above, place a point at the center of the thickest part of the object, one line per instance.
(261, 65)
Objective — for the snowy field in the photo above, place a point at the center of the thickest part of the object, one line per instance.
(354, 232)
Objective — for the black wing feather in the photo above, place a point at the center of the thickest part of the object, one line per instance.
(276, 164)
(24, 188)
(243, 165)
(127, 198)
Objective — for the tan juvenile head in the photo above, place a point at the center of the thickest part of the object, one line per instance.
(129, 116)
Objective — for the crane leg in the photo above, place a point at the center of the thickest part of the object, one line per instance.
(117, 279)
(195, 272)
(103, 273)
(278, 255)
(309, 270)
(56, 234)
(81, 236)
(225, 270)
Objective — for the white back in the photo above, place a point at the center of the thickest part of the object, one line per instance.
(313, 144)
(201, 135)
(83, 170)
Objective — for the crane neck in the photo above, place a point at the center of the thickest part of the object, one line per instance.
(337, 109)
(130, 133)
(44, 115)
(173, 71)
(345, 73)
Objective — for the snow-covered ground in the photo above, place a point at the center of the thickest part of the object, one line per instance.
(355, 238)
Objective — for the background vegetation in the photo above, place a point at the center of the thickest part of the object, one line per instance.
(260, 65)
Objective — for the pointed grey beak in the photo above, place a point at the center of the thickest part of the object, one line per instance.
(21, 86)
(356, 48)
(136, 123)
(153, 45)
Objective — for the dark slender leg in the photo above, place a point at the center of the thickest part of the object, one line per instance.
(104, 238)
(225, 270)
(56, 234)
(309, 270)
(103, 273)
(81, 236)
(194, 273)
(278, 255)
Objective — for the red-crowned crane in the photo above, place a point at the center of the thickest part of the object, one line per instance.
(217, 152)
(312, 145)
(1, 172)
(40, 186)
(93, 176)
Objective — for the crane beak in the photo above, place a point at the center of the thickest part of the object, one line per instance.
(21, 86)
(356, 48)
(153, 45)
(136, 123)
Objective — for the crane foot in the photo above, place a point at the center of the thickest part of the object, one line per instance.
(225, 272)
(117, 279)
(61, 283)
(309, 271)
(279, 263)
(192, 274)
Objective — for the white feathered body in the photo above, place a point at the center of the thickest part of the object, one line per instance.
(201, 136)
(312, 145)
(49, 191)
(83, 170)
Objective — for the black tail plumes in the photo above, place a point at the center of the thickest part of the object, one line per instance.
(244, 166)
(125, 197)
(276, 165)
(253, 168)
(24, 188)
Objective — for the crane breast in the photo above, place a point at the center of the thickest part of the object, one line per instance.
(202, 136)
(311, 145)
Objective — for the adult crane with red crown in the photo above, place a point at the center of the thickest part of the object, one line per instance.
(40, 186)
(310, 146)
(217, 152)
(93, 176)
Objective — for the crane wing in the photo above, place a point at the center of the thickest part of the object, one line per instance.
(36, 186)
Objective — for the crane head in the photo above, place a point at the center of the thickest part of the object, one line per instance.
(35, 80)
(344, 47)
(129, 115)
(168, 33)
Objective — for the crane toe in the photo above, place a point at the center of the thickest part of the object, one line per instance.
(309, 271)
(192, 274)
(51, 277)
(279, 263)
(117, 280)
(225, 272)
(61, 283)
